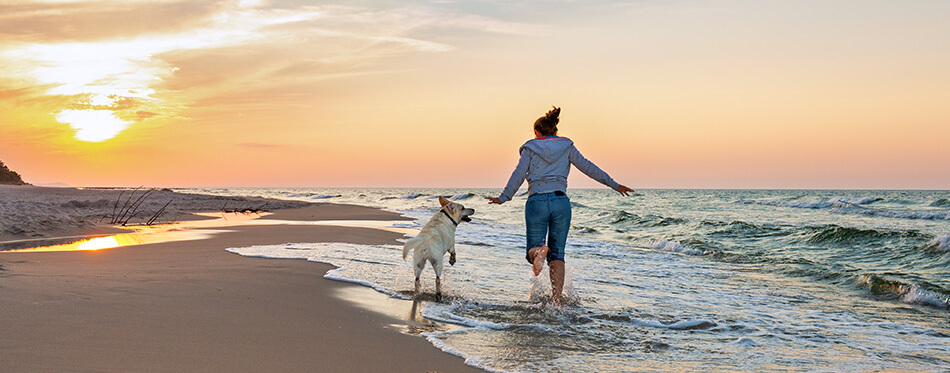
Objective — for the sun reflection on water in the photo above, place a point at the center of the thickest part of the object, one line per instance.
(98, 243)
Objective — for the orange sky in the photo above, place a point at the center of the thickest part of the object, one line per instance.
(661, 94)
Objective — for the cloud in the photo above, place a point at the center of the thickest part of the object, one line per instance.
(108, 61)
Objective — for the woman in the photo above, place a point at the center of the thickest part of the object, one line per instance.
(545, 162)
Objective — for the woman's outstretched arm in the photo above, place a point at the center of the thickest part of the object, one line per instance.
(594, 172)
(515, 181)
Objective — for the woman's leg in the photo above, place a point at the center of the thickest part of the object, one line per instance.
(537, 255)
(536, 216)
(558, 227)
(557, 279)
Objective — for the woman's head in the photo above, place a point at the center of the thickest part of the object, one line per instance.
(547, 125)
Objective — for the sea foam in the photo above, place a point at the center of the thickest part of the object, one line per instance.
(940, 243)
(674, 246)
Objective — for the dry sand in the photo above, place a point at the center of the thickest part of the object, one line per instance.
(192, 306)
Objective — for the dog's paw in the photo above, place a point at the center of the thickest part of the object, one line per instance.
(452, 260)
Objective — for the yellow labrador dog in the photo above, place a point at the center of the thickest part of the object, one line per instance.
(435, 239)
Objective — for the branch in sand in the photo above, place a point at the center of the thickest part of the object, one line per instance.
(247, 210)
(159, 213)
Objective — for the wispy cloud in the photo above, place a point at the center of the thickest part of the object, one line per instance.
(108, 75)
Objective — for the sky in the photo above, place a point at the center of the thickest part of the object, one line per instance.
(758, 94)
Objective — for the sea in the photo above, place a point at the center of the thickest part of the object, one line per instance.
(673, 280)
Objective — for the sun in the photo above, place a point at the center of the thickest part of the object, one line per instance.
(93, 125)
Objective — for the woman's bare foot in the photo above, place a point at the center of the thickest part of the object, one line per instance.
(540, 254)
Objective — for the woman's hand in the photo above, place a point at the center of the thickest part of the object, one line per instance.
(494, 200)
(624, 190)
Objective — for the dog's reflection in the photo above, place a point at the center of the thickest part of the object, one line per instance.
(417, 323)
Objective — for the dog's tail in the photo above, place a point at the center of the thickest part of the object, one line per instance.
(411, 244)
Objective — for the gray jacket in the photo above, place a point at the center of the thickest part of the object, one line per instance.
(546, 162)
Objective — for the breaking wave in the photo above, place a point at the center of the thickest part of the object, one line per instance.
(675, 247)
(940, 243)
(907, 293)
(859, 207)
(833, 202)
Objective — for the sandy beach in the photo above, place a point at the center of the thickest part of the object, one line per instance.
(192, 306)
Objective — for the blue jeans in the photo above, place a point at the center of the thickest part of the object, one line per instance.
(547, 214)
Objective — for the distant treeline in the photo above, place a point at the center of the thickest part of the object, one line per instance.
(8, 176)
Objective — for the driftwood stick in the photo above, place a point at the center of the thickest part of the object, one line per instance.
(159, 213)
(135, 206)
(115, 218)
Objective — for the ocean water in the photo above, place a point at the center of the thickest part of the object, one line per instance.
(684, 280)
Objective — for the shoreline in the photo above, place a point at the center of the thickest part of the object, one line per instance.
(192, 306)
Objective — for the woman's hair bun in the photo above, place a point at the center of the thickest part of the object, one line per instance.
(547, 125)
(553, 114)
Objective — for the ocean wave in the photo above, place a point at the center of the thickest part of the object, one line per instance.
(326, 196)
(463, 196)
(582, 229)
(906, 293)
(741, 229)
(624, 317)
(916, 295)
(745, 342)
(943, 202)
(407, 196)
(940, 243)
(849, 235)
(857, 207)
(314, 195)
(447, 314)
(674, 246)
(677, 325)
(833, 202)
(622, 217)
(900, 214)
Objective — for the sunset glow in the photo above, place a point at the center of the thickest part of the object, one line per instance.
(98, 243)
(718, 94)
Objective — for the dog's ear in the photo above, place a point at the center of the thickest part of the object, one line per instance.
(443, 201)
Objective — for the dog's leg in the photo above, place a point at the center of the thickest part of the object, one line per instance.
(438, 289)
(418, 268)
(437, 266)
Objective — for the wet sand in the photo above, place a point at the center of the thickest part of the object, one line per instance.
(192, 306)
